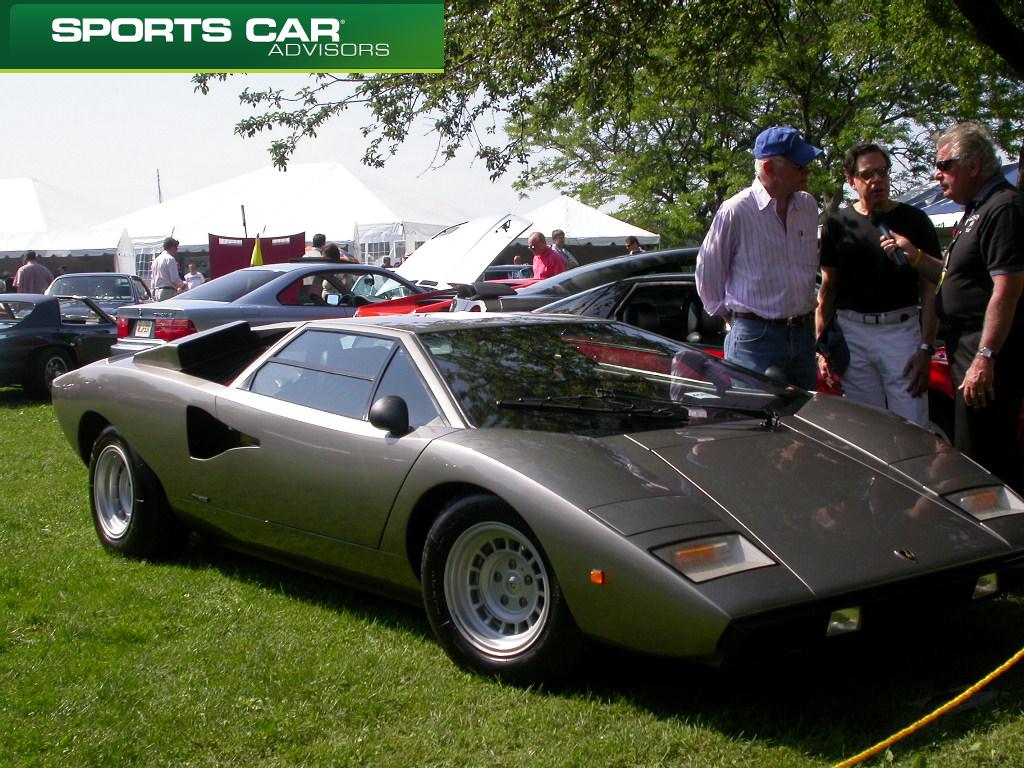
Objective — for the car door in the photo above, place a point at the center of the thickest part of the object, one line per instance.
(313, 463)
(84, 329)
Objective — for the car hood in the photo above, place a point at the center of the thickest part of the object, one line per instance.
(818, 504)
(460, 254)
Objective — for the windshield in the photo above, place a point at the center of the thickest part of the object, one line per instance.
(94, 286)
(232, 286)
(595, 379)
(380, 288)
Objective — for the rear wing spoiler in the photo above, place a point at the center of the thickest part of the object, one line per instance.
(216, 353)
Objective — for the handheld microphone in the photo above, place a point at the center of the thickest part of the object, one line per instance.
(898, 255)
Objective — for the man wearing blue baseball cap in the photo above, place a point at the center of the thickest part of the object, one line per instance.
(758, 262)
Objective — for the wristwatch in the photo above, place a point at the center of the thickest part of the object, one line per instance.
(986, 352)
(924, 346)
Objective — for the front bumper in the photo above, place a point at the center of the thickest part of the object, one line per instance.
(906, 607)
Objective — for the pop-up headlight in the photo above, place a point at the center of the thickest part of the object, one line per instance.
(988, 503)
(713, 557)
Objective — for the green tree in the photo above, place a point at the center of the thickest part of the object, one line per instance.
(655, 104)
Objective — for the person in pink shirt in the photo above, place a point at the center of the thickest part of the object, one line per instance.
(32, 277)
(546, 260)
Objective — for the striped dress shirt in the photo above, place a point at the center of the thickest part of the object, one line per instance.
(750, 262)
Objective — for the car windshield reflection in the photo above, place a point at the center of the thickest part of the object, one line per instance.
(596, 379)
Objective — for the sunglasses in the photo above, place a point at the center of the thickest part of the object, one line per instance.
(946, 165)
(872, 173)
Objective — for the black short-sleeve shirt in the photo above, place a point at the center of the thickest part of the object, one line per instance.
(866, 279)
(989, 240)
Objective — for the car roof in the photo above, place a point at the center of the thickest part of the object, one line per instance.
(639, 262)
(95, 274)
(445, 321)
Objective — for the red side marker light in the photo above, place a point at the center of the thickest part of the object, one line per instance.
(597, 576)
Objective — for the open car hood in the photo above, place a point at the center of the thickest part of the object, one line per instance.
(460, 253)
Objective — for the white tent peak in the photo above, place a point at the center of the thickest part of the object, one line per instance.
(584, 225)
(308, 197)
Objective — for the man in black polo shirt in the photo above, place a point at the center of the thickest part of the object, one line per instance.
(980, 284)
(886, 310)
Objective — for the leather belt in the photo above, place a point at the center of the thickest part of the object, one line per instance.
(795, 321)
(879, 318)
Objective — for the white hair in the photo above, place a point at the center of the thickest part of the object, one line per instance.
(971, 140)
(761, 162)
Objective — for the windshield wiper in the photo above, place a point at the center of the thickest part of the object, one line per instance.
(599, 403)
(769, 415)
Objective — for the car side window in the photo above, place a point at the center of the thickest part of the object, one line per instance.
(330, 371)
(402, 379)
(671, 309)
(74, 312)
(141, 291)
(312, 290)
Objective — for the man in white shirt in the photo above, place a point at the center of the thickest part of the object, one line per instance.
(558, 246)
(165, 277)
(758, 262)
(193, 278)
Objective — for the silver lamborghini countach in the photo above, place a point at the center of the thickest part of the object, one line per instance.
(538, 482)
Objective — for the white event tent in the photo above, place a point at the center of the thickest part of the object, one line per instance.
(308, 197)
(38, 217)
(584, 225)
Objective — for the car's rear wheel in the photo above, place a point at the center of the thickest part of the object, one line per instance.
(492, 596)
(129, 508)
(43, 367)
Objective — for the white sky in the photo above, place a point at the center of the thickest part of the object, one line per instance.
(100, 138)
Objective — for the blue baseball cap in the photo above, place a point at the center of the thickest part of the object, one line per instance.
(786, 142)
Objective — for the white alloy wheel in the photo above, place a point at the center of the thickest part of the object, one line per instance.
(497, 589)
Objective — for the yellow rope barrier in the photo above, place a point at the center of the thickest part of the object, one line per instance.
(951, 704)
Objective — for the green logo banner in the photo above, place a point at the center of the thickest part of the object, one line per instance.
(386, 36)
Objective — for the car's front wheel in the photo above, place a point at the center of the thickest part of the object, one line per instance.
(129, 508)
(493, 598)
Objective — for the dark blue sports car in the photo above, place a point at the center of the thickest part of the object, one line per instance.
(42, 337)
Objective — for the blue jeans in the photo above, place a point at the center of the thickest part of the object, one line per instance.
(758, 345)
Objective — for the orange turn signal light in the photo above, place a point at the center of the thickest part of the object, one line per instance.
(597, 576)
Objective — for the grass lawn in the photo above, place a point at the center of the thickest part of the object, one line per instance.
(222, 660)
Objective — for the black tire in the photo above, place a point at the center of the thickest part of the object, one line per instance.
(43, 367)
(129, 508)
(492, 596)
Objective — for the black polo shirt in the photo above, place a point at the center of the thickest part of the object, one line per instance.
(866, 279)
(988, 240)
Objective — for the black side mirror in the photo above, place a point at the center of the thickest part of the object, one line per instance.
(776, 373)
(392, 414)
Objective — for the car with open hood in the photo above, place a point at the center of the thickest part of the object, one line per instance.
(540, 481)
(452, 263)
